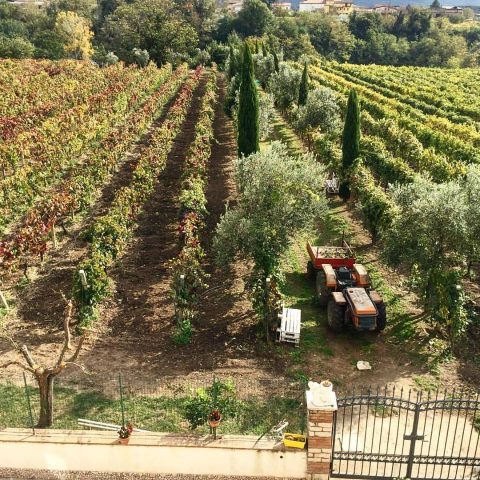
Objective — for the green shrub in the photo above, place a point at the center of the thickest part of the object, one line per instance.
(219, 396)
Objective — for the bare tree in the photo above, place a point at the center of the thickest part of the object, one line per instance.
(44, 375)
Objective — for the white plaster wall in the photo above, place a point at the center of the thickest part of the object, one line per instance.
(310, 7)
(153, 459)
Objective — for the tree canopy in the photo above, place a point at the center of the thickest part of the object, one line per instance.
(152, 25)
(248, 129)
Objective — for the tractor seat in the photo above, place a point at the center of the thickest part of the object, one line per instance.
(345, 277)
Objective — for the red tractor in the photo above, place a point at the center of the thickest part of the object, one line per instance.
(343, 286)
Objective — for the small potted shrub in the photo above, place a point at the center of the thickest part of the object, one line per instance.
(124, 433)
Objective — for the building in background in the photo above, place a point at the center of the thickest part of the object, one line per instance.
(232, 5)
(282, 6)
(447, 11)
(337, 7)
(386, 9)
(26, 3)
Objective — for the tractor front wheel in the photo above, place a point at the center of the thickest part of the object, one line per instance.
(322, 291)
(382, 317)
(336, 316)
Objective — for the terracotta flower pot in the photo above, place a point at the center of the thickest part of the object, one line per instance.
(123, 441)
(214, 423)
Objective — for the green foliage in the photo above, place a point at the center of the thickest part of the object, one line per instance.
(320, 112)
(84, 8)
(276, 63)
(140, 57)
(303, 89)
(330, 36)
(16, 47)
(49, 44)
(376, 207)
(254, 19)
(428, 236)
(285, 86)
(264, 68)
(187, 273)
(233, 67)
(279, 197)
(267, 114)
(183, 331)
(350, 141)
(248, 127)
(110, 233)
(152, 25)
(219, 396)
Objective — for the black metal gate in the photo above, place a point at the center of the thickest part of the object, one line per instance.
(397, 434)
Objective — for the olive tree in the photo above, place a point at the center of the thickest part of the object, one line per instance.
(285, 86)
(279, 195)
(426, 238)
(321, 112)
(264, 68)
(472, 199)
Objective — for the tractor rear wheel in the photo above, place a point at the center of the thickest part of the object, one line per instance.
(322, 291)
(310, 269)
(336, 316)
(382, 317)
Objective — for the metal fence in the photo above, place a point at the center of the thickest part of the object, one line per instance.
(248, 406)
(385, 434)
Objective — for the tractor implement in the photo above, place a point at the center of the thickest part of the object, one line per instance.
(343, 286)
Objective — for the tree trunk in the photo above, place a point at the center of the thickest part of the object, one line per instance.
(45, 385)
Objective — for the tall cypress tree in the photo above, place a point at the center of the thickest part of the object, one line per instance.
(276, 62)
(257, 51)
(303, 93)
(232, 66)
(264, 49)
(350, 142)
(248, 128)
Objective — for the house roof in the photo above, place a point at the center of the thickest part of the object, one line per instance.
(313, 2)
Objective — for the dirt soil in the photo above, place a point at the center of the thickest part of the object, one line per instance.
(392, 364)
(137, 321)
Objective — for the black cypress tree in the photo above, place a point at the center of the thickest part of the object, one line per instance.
(303, 93)
(276, 62)
(257, 51)
(248, 128)
(350, 142)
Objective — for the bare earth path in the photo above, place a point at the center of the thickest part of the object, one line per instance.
(140, 314)
(40, 301)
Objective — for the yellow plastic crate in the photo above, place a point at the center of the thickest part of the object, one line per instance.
(294, 440)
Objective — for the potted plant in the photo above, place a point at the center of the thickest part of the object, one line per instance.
(124, 433)
(214, 418)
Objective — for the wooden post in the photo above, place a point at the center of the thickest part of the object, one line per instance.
(320, 436)
(3, 301)
(83, 278)
(54, 237)
(268, 283)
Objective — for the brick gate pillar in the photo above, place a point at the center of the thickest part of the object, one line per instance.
(320, 433)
